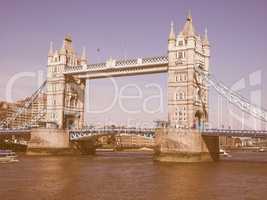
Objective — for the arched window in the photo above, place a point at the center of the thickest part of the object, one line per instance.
(180, 95)
(185, 77)
(180, 115)
(72, 101)
(184, 113)
(177, 112)
(180, 54)
(54, 116)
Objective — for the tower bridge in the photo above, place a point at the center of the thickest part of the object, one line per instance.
(186, 138)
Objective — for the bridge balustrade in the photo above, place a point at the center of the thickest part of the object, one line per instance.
(126, 62)
(121, 63)
(78, 134)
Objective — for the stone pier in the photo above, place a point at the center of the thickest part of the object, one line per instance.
(176, 145)
(54, 141)
(49, 141)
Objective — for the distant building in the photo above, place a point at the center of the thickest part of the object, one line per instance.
(10, 110)
(238, 142)
(130, 141)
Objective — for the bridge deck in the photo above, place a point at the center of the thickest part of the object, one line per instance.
(235, 133)
(148, 132)
(113, 68)
(14, 131)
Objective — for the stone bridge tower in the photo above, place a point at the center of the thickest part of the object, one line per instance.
(65, 94)
(187, 93)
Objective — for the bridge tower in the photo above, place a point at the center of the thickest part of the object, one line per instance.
(65, 102)
(65, 94)
(187, 100)
(187, 94)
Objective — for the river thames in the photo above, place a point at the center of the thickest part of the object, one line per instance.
(128, 176)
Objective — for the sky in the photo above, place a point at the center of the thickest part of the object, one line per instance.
(127, 29)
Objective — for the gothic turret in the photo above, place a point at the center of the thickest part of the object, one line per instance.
(67, 43)
(206, 49)
(171, 45)
(172, 33)
(84, 57)
(206, 39)
(50, 53)
(188, 29)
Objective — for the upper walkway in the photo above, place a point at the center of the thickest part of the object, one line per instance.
(115, 68)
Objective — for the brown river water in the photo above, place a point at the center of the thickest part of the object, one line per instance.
(130, 176)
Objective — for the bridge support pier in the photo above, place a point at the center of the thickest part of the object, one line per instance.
(54, 141)
(49, 141)
(176, 145)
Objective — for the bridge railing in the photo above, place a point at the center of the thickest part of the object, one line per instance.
(81, 133)
(159, 59)
(111, 63)
(126, 62)
(14, 130)
(234, 132)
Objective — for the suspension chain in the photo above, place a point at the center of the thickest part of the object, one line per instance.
(233, 97)
(26, 106)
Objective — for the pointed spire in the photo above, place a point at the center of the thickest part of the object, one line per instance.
(56, 53)
(83, 54)
(68, 37)
(172, 33)
(188, 29)
(50, 52)
(206, 39)
(206, 33)
(84, 57)
(189, 16)
(67, 42)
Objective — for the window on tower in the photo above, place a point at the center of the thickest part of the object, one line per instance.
(181, 43)
(54, 116)
(185, 77)
(180, 95)
(180, 54)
